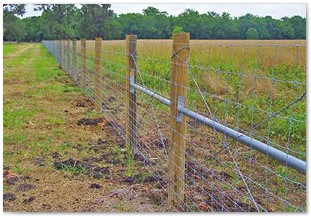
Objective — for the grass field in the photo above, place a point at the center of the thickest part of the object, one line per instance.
(243, 83)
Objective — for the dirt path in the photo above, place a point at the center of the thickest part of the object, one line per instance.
(59, 154)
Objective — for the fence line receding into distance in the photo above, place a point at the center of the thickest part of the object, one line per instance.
(222, 125)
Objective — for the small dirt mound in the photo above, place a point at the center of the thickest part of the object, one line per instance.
(8, 197)
(68, 163)
(55, 155)
(84, 103)
(25, 187)
(91, 122)
(95, 186)
(28, 200)
(141, 178)
(80, 167)
(141, 158)
(161, 143)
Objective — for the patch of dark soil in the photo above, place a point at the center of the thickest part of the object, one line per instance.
(91, 122)
(102, 141)
(8, 197)
(25, 187)
(46, 206)
(141, 178)
(153, 178)
(80, 104)
(160, 185)
(92, 159)
(98, 172)
(11, 180)
(83, 166)
(112, 98)
(79, 147)
(157, 196)
(28, 200)
(120, 143)
(109, 157)
(114, 161)
(68, 163)
(130, 180)
(161, 143)
(38, 161)
(95, 186)
(212, 200)
(101, 144)
(107, 142)
(144, 160)
(84, 103)
(55, 155)
(196, 170)
(98, 148)
(114, 128)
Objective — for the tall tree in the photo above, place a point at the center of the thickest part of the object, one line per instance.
(13, 29)
(60, 20)
(94, 17)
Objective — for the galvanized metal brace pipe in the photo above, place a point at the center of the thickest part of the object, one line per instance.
(270, 151)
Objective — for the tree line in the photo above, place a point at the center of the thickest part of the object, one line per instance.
(68, 21)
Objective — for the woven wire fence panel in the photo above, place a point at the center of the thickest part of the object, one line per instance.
(256, 88)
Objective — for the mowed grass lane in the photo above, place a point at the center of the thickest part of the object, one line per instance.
(40, 128)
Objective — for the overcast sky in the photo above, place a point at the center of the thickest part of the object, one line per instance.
(275, 10)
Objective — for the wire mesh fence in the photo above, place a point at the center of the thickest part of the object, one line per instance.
(257, 89)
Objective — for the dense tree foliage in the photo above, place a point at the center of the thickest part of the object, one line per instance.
(98, 20)
(13, 28)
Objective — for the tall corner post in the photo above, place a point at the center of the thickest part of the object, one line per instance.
(178, 95)
(131, 121)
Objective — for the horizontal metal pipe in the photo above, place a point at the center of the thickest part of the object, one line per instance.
(270, 151)
(151, 93)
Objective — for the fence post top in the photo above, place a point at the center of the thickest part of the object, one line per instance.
(181, 36)
(131, 37)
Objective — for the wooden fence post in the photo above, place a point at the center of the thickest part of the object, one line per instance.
(98, 77)
(74, 61)
(68, 69)
(177, 147)
(131, 121)
(64, 54)
(83, 64)
(60, 56)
